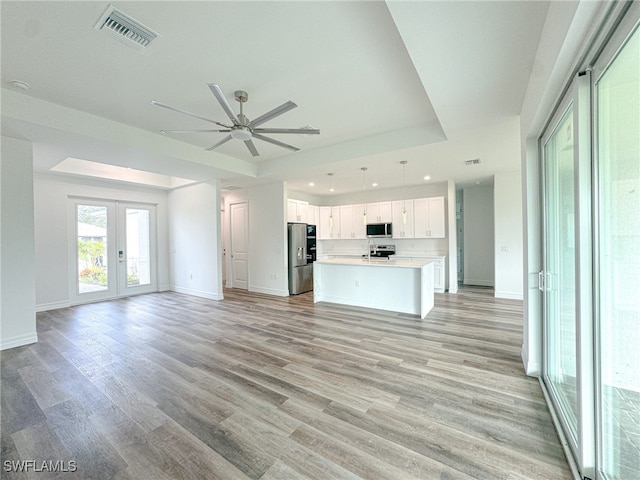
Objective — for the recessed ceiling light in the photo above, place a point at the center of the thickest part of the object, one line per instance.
(332, 189)
(374, 184)
(311, 184)
(19, 84)
(427, 177)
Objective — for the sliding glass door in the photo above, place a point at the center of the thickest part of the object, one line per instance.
(590, 275)
(617, 92)
(558, 279)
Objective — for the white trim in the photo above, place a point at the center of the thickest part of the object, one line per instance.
(44, 307)
(477, 283)
(509, 295)
(196, 293)
(531, 369)
(19, 340)
(269, 291)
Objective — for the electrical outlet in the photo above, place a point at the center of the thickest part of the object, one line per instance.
(504, 249)
(357, 283)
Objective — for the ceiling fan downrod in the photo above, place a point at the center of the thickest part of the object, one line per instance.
(241, 132)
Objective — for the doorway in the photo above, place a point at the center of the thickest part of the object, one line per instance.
(114, 249)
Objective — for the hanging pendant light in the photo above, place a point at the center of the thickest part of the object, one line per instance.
(364, 189)
(404, 194)
(331, 203)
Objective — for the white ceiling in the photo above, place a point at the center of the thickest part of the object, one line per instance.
(432, 83)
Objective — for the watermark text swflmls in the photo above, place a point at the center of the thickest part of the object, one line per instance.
(40, 466)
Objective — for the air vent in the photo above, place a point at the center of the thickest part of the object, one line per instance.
(475, 161)
(125, 29)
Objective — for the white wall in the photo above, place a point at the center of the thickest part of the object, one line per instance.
(565, 36)
(478, 218)
(17, 277)
(507, 191)
(267, 236)
(51, 192)
(195, 240)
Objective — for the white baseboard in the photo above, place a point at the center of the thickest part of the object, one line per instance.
(509, 295)
(164, 288)
(196, 293)
(18, 340)
(532, 369)
(480, 283)
(453, 289)
(269, 291)
(43, 307)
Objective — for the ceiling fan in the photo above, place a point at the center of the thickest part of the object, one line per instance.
(242, 128)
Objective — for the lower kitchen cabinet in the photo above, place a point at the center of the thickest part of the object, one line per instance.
(439, 270)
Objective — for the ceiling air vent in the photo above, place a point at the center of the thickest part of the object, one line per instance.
(125, 29)
(475, 161)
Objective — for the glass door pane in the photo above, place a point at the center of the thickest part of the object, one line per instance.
(136, 249)
(560, 259)
(618, 140)
(92, 251)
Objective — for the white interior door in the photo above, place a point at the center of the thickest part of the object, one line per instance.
(239, 245)
(113, 249)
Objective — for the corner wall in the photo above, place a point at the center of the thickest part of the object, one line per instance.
(17, 275)
(507, 191)
(195, 240)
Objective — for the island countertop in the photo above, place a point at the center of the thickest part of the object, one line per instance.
(374, 262)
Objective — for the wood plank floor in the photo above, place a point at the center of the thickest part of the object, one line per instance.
(167, 386)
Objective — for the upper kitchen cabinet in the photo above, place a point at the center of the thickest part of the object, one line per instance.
(328, 223)
(429, 217)
(297, 210)
(403, 219)
(351, 222)
(380, 212)
(313, 214)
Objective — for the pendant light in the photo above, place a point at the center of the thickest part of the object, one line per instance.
(364, 189)
(331, 202)
(404, 194)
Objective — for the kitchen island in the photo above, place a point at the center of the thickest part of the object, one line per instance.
(398, 286)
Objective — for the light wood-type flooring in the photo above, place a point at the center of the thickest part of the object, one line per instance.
(168, 386)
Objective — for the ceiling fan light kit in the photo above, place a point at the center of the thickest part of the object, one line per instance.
(241, 127)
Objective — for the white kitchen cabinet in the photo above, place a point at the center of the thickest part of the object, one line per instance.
(297, 210)
(379, 212)
(429, 217)
(328, 229)
(313, 214)
(439, 269)
(439, 273)
(351, 222)
(402, 224)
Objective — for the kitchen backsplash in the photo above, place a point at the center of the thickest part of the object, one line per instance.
(404, 247)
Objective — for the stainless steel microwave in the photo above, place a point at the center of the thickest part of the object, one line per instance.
(379, 230)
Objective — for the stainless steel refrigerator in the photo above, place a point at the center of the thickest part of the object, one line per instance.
(300, 272)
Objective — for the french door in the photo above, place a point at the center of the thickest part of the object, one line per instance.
(114, 251)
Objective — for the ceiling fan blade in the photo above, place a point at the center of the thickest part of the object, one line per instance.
(193, 131)
(224, 140)
(188, 113)
(252, 148)
(217, 92)
(285, 107)
(304, 131)
(275, 142)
